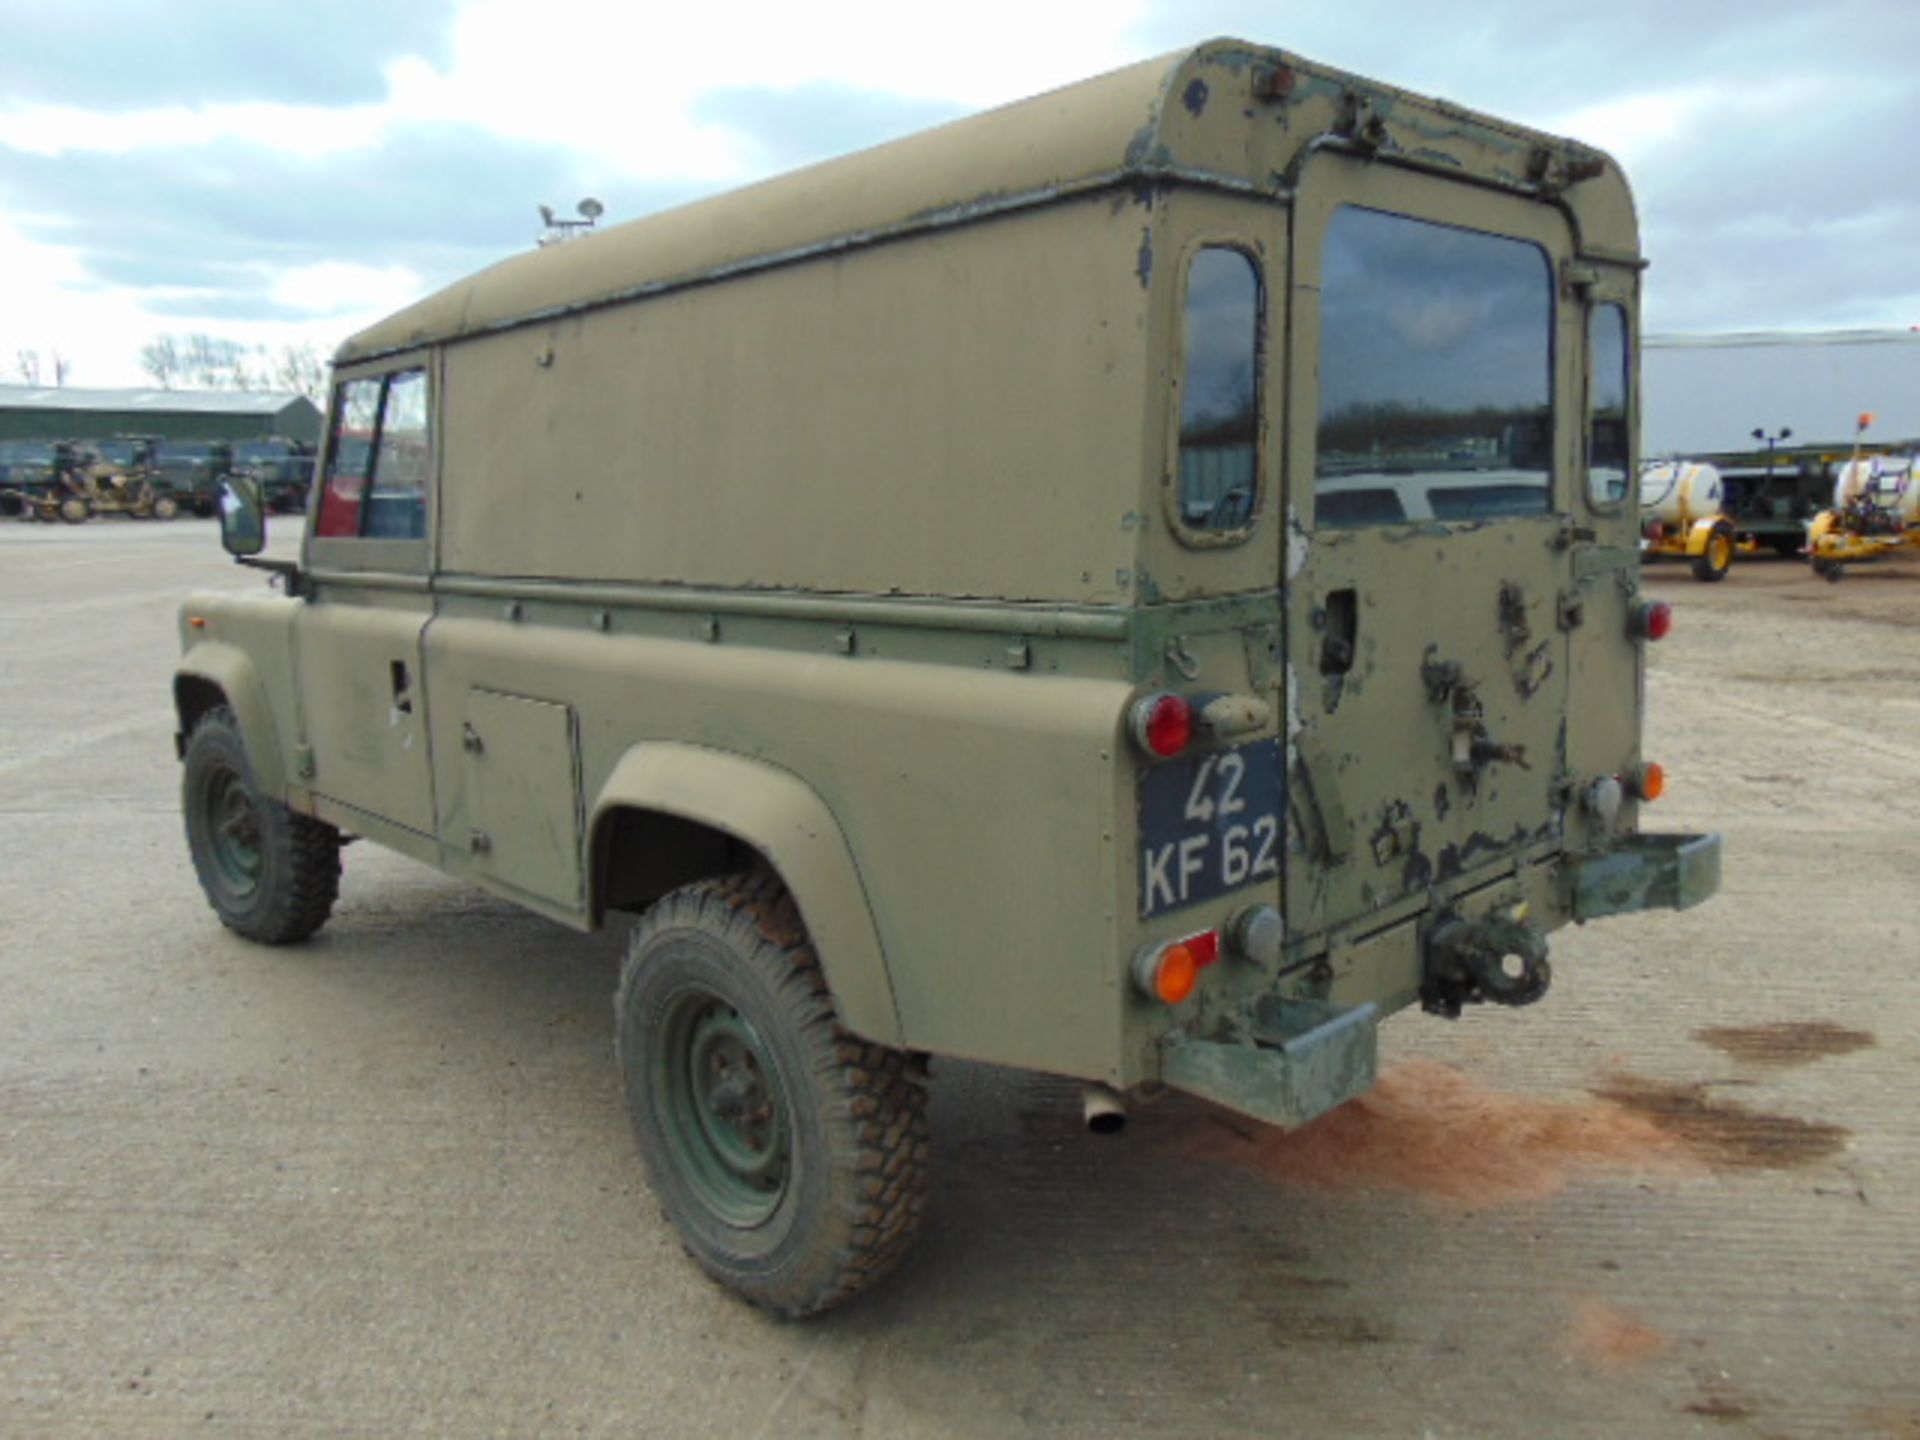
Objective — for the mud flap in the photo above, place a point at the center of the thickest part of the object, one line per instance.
(1647, 872)
(1285, 1062)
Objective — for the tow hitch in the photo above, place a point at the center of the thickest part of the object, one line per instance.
(1495, 958)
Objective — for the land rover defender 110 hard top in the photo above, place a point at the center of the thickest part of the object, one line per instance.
(1140, 584)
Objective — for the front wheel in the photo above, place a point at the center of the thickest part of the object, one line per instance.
(75, 511)
(790, 1154)
(270, 873)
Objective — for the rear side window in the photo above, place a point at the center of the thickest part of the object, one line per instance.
(1220, 391)
(1609, 388)
(378, 460)
(1436, 373)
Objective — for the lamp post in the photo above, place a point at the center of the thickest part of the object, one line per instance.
(1768, 502)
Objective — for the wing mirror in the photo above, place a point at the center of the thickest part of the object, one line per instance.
(243, 516)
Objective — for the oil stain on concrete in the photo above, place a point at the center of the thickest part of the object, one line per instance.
(1790, 1042)
(1430, 1130)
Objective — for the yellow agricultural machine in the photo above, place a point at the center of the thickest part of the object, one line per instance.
(1876, 510)
(1682, 516)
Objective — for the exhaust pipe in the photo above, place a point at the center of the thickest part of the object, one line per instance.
(1105, 1109)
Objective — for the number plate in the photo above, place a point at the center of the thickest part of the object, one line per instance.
(1209, 824)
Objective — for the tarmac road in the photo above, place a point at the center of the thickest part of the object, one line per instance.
(382, 1184)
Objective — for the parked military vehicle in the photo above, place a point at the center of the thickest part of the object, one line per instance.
(114, 477)
(1141, 584)
(33, 480)
(283, 467)
(191, 471)
(128, 454)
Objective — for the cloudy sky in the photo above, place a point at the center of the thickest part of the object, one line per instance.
(275, 173)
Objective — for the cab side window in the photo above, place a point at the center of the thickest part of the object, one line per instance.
(377, 462)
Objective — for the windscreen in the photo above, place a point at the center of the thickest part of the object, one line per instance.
(1436, 373)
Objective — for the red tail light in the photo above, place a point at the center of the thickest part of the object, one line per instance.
(1162, 725)
(1653, 619)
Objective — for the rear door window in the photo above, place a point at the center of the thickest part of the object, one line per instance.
(1436, 373)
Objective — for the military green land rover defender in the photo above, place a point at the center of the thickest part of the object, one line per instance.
(1140, 584)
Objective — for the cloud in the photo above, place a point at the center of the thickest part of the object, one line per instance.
(804, 123)
(221, 226)
(1536, 59)
(147, 53)
(1767, 148)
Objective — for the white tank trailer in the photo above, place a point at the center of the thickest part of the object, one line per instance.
(1885, 483)
(1682, 515)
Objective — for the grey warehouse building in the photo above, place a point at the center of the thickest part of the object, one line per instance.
(1707, 394)
(38, 412)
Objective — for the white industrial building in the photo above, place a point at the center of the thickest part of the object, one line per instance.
(1707, 394)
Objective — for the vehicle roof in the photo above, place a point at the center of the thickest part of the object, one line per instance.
(1151, 121)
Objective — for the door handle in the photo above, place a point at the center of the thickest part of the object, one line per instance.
(402, 687)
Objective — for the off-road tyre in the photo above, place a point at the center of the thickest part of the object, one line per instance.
(270, 873)
(808, 1182)
(1713, 562)
(74, 510)
(165, 507)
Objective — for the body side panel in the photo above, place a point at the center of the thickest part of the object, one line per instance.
(245, 647)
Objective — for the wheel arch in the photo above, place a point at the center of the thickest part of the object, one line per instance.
(214, 674)
(685, 806)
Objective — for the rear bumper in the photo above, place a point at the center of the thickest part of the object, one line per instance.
(1286, 1062)
(1646, 872)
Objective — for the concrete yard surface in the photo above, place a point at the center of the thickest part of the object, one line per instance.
(381, 1184)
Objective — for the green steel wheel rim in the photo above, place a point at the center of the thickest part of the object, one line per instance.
(726, 1113)
(233, 831)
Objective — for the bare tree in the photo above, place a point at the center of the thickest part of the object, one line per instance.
(216, 364)
(300, 369)
(160, 357)
(27, 363)
(211, 362)
(62, 367)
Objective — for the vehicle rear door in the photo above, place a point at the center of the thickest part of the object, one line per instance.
(1428, 545)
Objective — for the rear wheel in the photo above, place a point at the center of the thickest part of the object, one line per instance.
(1713, 562)
(165, 507)
(270, 873)
(790, 1154)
